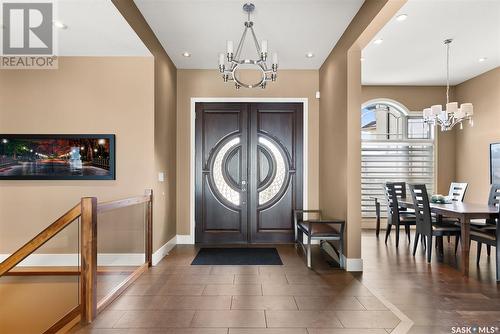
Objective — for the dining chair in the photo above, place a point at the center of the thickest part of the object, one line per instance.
(457, 191)
(426, 226)
(395, 216)
(455, 194)
(400, 188)
(490, 237)
(488, 224)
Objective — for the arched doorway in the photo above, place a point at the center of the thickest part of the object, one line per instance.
(396, 145)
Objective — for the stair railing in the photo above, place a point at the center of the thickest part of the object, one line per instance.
(86, 211)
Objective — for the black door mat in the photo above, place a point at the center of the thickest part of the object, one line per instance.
(237, 256)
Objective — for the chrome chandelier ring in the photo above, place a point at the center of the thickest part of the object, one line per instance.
(258, 66)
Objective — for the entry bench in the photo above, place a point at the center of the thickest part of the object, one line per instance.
(312, 225)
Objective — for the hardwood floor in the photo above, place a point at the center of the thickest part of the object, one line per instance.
(175, 297)
(434, 296)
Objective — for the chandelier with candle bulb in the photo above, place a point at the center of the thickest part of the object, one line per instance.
(230, 63)
(453, 115)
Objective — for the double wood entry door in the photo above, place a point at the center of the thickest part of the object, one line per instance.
(249, 171)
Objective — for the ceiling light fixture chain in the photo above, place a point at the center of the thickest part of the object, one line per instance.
(452, 115)
(229, 64)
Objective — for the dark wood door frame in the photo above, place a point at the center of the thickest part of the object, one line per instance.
(190, 239)
(267, 136)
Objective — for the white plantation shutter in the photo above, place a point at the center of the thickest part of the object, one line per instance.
(385, 161)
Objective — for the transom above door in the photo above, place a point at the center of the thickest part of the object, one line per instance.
(248, 171)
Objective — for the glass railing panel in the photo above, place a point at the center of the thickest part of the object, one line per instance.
(44, 287)
(120, 246)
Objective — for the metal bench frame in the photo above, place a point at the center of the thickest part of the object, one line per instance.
(300, 232)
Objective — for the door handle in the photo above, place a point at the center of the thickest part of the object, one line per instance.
(243, 186)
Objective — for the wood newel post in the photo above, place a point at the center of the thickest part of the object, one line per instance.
(149, 228)
(88, 275)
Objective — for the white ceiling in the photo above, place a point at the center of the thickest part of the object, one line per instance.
(413, 53)
(94, 28)
(292, 28)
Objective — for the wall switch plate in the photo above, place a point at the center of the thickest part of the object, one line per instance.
(161, 177)
(317, 95)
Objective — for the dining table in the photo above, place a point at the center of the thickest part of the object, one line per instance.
(464, 212)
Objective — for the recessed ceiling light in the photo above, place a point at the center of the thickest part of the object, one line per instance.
(378, 41)
(482, 59)
(309, 55)
(60, 25)
(401, 17)
(186, 54)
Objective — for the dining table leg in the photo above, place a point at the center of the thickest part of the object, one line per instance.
(464, 243)
(377, 214)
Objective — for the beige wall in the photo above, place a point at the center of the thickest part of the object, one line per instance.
(208, 83)
(165, 105)
(26, 297)
(416, 98)
(472, 144)
(85, 95)
(132, 97)
(341, 99)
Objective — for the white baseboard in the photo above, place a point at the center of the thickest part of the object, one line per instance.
(183, 239)
(352, 264)
(103, 259)
(73, 259)
(164, 250)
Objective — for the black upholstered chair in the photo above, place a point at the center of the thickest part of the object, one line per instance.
(426, 226)
(395, 215)
(312, 225)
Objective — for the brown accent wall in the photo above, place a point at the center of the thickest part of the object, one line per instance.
(85, 95)
(208, 83)
(472, 144)
(416, 98)
(341, 99)
(165, 106)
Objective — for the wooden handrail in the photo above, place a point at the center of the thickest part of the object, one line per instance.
(40, 239)
(54, 228)
(66, 271)
(88, 274)
(87, 210)
(122, 203)
(113, 294)
(55, 328)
